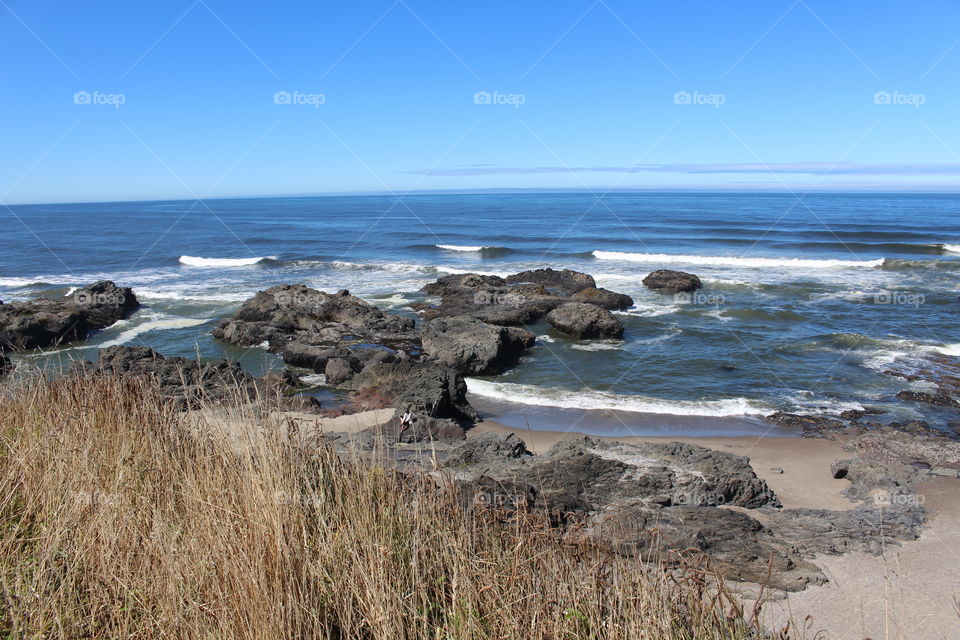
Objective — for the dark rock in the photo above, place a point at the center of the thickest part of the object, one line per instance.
(473, 347)
(839, 468)
(415, 427)
(857, 414)
(307, 328)
(338, 370)
(586, 474)
(190, 383)
(938, 399)
(518, 299)
(45, 322)
(672, 281)
(737, 545)
(417, 387)
(566, 281)
(811, 426)
(584, 320)
(603, 298)
(488, 447)
(865, 529)
(6, 366)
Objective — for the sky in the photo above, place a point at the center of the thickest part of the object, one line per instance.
(106, 101)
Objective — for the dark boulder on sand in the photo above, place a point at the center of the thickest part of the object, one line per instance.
(672, 281)
(45, 322)
(473, 347)
(583, 320)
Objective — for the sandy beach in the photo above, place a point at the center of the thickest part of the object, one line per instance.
(910, 592)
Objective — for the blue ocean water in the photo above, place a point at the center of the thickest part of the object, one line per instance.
(805, 302)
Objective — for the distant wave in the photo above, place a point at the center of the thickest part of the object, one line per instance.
(664, 258)
(195, 261)
(899, 264)
(460, 247)
(562, 398)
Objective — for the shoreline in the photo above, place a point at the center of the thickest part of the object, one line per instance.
(906, 592)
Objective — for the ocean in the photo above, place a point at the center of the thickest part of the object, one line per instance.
(805, 302)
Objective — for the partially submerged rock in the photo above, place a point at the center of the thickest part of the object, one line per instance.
(518, 299)
(309, 328)
(46, 322)
(672, 281)
(583, 320)
(473, 347)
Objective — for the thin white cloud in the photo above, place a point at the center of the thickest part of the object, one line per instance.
(799, 168)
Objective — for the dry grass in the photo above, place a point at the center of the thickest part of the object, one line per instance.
(119, 521)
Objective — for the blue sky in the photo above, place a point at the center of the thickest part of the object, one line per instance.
(428, 95)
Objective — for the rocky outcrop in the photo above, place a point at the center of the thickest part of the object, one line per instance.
(418, 388)
(672, 281)
(660, 499)
(190, 383)
(940, 399)
(310, 328)
(583, 320)
(45, 322)
(812, 426)
(488, 447)
(518, 299)
(473, 347)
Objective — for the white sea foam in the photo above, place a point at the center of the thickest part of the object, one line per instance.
(460, 272)
(195, 296)
(562, 398)
(952, 248)
(314, 379)
(195, 261)
(546, 338)
(460, 247)
(599, 345)
(153, 325)
(650, 312)
(664, 258)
